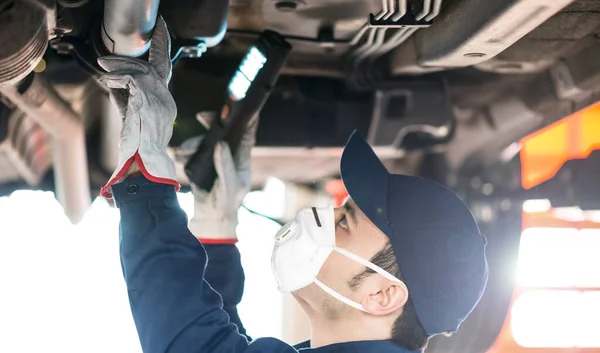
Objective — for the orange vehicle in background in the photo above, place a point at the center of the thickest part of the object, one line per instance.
(556, 303)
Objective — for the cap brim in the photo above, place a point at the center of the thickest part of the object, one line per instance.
(366, 179)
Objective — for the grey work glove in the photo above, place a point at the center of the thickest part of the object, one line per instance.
(139, 90)
(216, 212)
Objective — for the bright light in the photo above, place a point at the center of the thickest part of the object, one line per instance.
(545, 257)
(62, 286)
(559, 257)
(556, 319)
(534, 206)
(571, 214)
(186, 201)
(243, 77)
(261, 308)
(270, 201)
(593, 216)
(588, 261)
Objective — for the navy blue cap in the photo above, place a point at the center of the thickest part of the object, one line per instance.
(435, 237)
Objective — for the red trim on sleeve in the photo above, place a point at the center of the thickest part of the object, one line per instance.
(218, 241)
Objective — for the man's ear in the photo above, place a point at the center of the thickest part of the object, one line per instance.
(390, 298)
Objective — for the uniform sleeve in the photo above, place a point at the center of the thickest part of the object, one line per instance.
(225, 274)
(173, 306)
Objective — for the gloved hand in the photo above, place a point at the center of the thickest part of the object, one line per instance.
(139, 90)
(216, 212)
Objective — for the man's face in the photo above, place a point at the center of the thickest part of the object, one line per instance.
(353, 232)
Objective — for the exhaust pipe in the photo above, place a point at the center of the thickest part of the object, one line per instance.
(127, 26)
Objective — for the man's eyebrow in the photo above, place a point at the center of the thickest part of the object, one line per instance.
(351, 211)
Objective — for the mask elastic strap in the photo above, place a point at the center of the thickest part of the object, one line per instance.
(339, 297)
(368, 264)
(363, 262)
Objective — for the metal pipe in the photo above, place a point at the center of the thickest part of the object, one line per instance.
(402, 9)
(437, 7)
(426, 10)
(127, 26)
(42, 104)
(71, 175)
(390, 9)
(110, 130)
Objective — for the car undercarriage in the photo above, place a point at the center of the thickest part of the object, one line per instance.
(444, 86)
(443, 89)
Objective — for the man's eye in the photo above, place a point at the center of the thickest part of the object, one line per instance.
(342, 222)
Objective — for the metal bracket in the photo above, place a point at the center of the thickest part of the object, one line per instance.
(191, 49)
(83, 53)
(406, 21)
(421, 109)
(87, 52)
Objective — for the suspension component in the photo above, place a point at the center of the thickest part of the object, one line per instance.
(127, 26)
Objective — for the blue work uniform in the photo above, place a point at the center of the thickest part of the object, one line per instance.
(173, 293)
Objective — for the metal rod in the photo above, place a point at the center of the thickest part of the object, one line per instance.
(402, 9)
(426, 10)
(391, 9)
(110, 130)
(42, 104)
(127, 26)
(71, 175)
(437, 7)
(384, 12)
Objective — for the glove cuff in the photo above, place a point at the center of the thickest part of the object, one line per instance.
(208, 232)
(168, 172)
(106, 191)
(151, 175)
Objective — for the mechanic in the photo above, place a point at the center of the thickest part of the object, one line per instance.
(402, 260)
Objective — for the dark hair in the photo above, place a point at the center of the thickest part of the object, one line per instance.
(407, 331)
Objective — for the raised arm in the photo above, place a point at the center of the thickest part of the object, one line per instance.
(173, 306)
(216, 218)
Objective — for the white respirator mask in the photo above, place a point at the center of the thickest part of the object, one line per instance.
(302, 247)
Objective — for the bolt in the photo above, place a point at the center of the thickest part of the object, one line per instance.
(62, 48)
(194, 51)
(61, 30)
